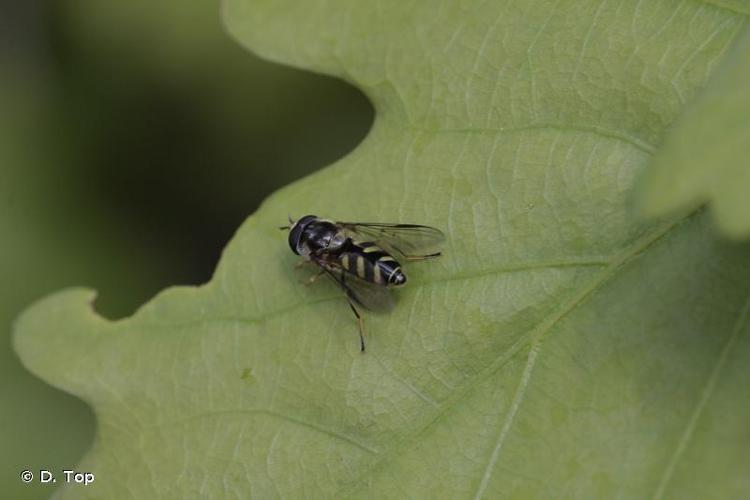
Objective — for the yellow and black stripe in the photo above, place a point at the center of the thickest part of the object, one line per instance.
(371, 263)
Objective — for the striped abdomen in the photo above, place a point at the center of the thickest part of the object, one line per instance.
(370, 263)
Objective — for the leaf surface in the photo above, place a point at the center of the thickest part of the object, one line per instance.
(561, 347)
(707, 155)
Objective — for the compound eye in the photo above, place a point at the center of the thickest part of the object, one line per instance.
(303, 249)
(295, 237)
(297, 240)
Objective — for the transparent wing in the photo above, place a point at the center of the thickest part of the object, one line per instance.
(373, 297)
(405, 239)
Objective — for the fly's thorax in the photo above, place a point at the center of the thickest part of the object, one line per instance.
(313, 235)
(369, 262)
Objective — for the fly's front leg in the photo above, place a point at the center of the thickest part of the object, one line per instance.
(301, 263)
(309, 281)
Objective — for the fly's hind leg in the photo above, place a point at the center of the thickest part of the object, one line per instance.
(422, 257)
(357, 315)
(361, 325)
(417, 257)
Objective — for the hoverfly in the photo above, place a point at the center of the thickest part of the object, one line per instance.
(361, 257)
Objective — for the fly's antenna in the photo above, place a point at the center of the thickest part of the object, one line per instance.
(291, 221)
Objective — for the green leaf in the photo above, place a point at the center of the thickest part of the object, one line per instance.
(561, 347)
(65, 219)
(707, 155)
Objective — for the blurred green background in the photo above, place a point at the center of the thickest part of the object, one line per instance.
(135, 137)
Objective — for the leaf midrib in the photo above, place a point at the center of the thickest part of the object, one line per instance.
(592, 261)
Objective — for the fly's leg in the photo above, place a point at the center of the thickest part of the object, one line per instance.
(422, 257)
(361, 325)
(309, 281)
(416, 257)
(357, 315)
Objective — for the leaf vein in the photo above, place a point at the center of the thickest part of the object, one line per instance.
(591, 129)
(587, 39)
(517, 400)
(720, 4)
(271, 414)
(706, 394)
